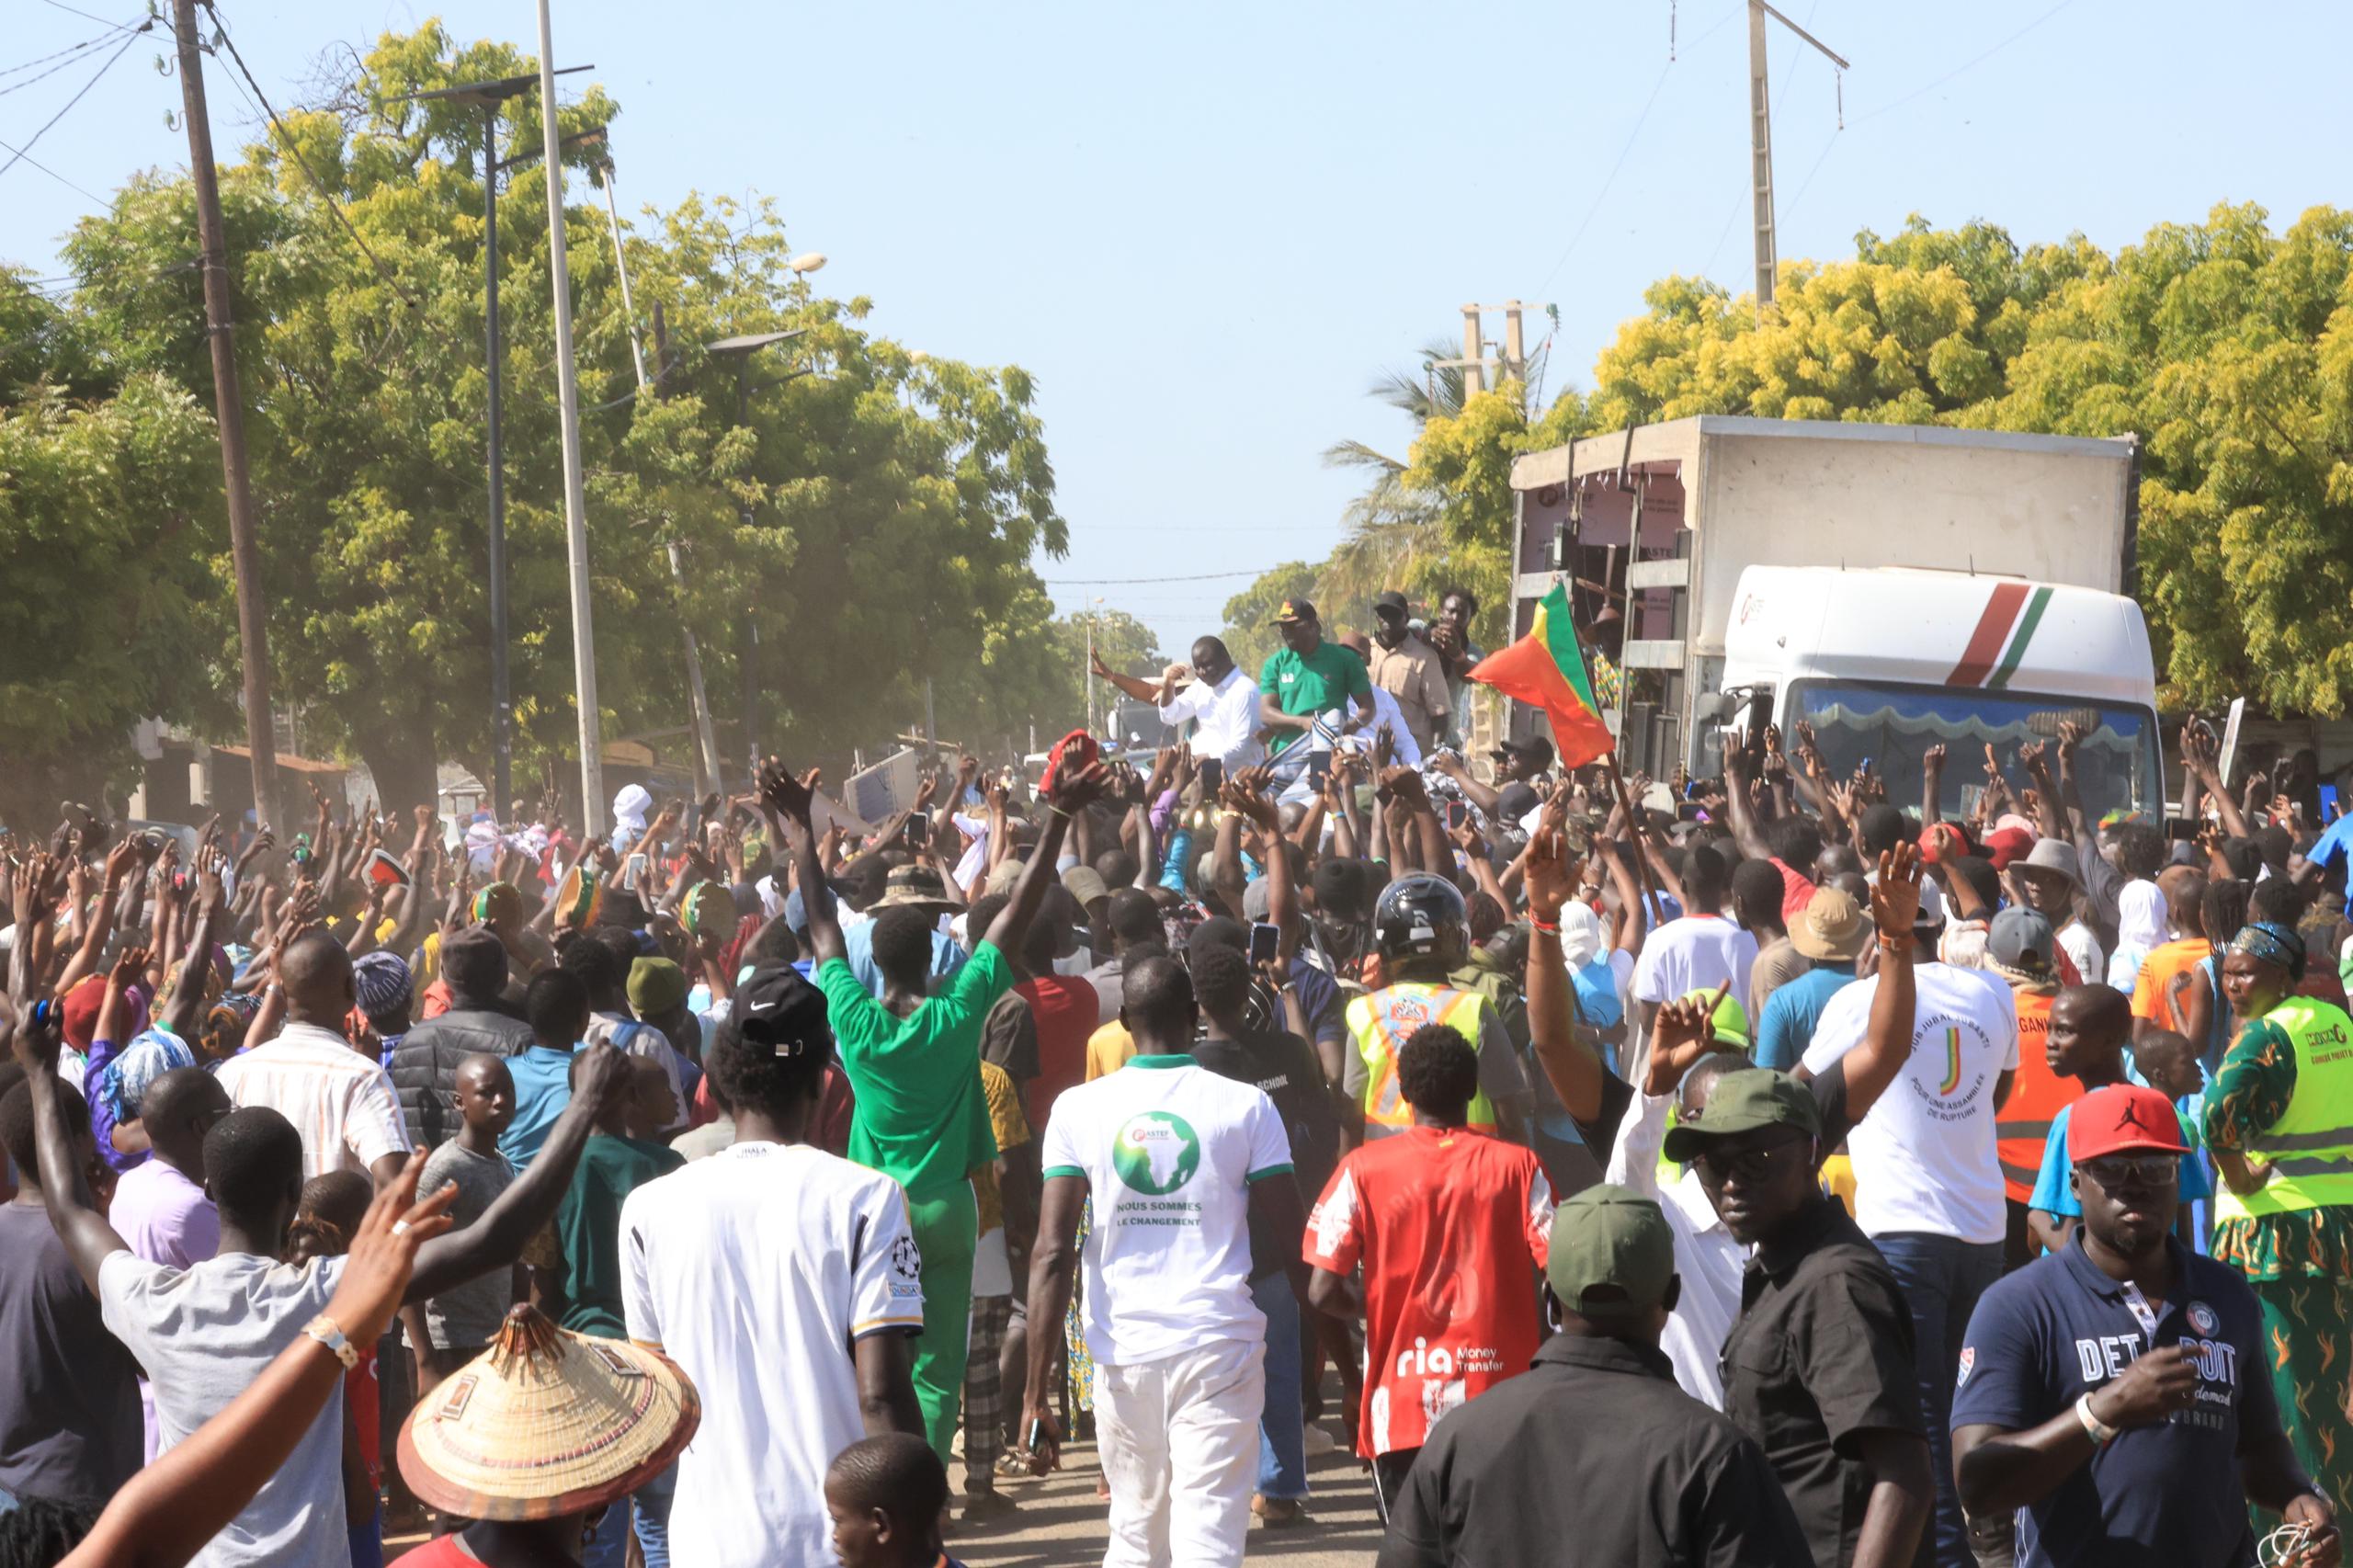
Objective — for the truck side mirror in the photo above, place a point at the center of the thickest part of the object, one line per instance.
(1714, 707)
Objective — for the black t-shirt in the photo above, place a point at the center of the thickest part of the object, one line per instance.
(1284, 1066)
(70, 1423)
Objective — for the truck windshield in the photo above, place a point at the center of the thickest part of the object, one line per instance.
(2117, 767)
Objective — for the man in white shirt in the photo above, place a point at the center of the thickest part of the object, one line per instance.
(1181, 1163)
(1927, 1181)
(338, 1099)
(785, 1282)
(1701, 949)
(1221, 697)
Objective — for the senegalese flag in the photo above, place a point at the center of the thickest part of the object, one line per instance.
(1546, 669)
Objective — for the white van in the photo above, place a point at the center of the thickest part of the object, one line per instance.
(1885, 662)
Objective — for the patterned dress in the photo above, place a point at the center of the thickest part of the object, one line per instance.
(2300, 1264)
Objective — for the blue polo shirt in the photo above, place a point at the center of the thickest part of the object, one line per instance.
(2058, 1329)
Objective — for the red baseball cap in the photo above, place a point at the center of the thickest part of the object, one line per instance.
(2124, 1118)
(2005, 844)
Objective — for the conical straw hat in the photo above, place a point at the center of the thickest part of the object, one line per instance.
(547, 1422)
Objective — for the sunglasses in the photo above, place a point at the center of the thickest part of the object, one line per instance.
(2114, 1171)
(1717, 1167)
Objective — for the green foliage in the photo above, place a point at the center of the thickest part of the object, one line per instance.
(105, 544)
(870, 513)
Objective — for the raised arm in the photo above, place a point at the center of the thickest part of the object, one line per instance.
(1072, 792)
(1871, 1066)
(2200, 752)
(786, 801)
(89, 1239)
(185, 1010)
(1577, 1075)
(1737, 775)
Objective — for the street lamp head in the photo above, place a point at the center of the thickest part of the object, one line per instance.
(807, 261)
(749, 342)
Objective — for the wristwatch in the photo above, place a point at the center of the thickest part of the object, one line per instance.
(2100, 1432)
(329, 1332)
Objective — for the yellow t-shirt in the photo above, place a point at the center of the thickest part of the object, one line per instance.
(1108, 1049)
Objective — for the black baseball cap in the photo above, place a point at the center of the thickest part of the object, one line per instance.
(779, 1008)
(1389, 605)
(1295, 611)
(1534, 747)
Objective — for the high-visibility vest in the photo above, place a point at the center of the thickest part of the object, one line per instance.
(2022, 1127)
(1380, 1022)
(2310, 1148)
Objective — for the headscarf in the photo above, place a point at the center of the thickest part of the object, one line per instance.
(629, 816)
(215, 976)
(226, 1023)
(124, 1082)
(382, 982)
(2140, 926)
(2269, 942)
(1580, 933)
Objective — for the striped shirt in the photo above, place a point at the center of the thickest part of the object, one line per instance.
(339, 1099)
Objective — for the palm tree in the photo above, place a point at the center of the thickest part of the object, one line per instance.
(1391, 534)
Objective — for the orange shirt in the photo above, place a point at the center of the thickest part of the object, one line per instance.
(2023, 1124)
(2167, 975)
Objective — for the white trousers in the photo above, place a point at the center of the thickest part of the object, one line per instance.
(1179, 1443)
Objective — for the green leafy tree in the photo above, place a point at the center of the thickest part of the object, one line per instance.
(108, 528)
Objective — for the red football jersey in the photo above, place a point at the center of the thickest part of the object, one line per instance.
(1451, 1227)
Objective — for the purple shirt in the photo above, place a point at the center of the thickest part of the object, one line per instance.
(163, 1218)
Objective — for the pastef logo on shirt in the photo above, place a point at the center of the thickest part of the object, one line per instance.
(906, 1266)
(1950, 1075)
(1157, 1152)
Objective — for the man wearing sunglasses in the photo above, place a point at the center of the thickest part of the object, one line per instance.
(2118, 1392)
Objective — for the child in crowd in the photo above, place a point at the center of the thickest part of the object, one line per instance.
(887, 1497)
(328, 1216)
(2089, 1025)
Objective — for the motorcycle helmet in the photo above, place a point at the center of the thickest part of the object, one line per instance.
(1421, 916)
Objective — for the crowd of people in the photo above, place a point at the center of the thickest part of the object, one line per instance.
(1742, 1169)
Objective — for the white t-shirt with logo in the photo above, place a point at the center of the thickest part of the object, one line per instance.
(1168, 1151)
(1692, 953)
(1924, 1157)
(754, 1270)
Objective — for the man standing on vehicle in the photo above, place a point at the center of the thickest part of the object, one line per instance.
(1214, 692)
(1302, 681)
(1404, 666)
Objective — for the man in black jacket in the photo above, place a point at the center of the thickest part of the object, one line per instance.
(1661, 1478)
(479, 1022)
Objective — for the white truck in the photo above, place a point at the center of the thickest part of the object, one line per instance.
(1895, 585)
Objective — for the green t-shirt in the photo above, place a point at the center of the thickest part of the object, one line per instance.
(922, 1119)
(1312, 683)
(588, 1227)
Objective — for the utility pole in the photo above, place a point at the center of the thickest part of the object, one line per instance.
(706, 777)
(575, 501)
(1760, 140)
(229, 414)
(1475, 370)
(1515, 343)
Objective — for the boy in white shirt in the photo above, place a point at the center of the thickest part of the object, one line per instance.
(1179, 1162)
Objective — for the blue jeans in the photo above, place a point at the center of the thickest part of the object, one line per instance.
(1282, 1430)
(609, 1548)
(1941, 1279)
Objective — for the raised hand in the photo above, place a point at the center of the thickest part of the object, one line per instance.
(1076, 791)
(1403, 784)
(788, 797)
(1682, 1033)
(1896, 899)
(1550, 879)
(1241, 796)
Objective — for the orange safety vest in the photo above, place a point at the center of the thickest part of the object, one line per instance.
(1379, 1023)
(2036, 1095)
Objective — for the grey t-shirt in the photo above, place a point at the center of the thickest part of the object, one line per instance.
(204, 1334)
(69, 1427)
(466, 1316)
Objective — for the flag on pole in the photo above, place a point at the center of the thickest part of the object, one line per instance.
(1546, 669)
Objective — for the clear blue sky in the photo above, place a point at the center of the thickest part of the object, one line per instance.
(1204, 228)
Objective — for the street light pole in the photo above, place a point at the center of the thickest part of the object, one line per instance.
(500, 699)
(575, 500)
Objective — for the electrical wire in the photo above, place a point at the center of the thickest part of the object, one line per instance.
(24, 156)
(20, 154)
(85, 16)
(1602, 194)
(64, 54)
(1130, 582)
(1970, 63)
